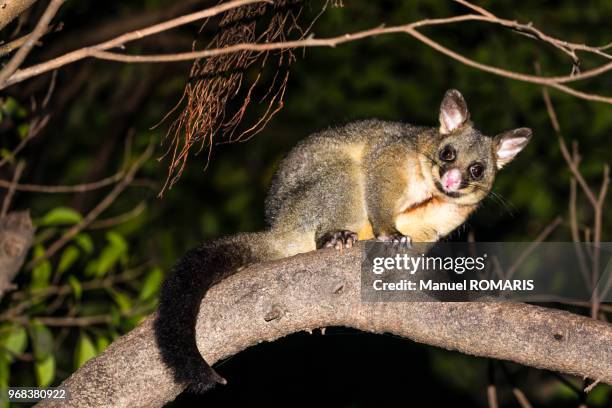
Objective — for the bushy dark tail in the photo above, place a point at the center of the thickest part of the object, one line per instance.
(182, 293)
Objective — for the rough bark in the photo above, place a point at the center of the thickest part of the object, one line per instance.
(267, 301)
(16, 238)
(11, 9)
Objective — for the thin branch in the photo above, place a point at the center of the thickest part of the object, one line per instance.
(11, 189)
(521, 398)
(121, 40)
(538, 240)
(78, 188)
(78, 321)
(121, 218)
(492, 396)
(409, 29)
(573, 212)
(491, 389)
(15, 44)
(97, 210)
(40, 29)
(530, 30)
(557, 82)
(36, 125)
(597, 203)
(565, 152)
(590, 387)
(516, 391)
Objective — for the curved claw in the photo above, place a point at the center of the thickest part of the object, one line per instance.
(397, 239)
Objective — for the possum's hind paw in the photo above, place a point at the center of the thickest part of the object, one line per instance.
(397, 239)
(338, 240)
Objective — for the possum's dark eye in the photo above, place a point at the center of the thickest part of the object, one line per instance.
(448, 153)
(476, 171)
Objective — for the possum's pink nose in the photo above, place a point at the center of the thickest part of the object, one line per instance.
(451, 180)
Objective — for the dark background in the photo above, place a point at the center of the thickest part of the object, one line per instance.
(98, 104)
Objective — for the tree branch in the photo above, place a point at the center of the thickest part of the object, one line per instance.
(267, 301)
(40, 30)
(121, 40)
(101, 50)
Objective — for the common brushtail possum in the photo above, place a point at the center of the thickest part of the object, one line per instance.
(370, 179)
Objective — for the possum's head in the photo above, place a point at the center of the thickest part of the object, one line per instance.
(463, 161)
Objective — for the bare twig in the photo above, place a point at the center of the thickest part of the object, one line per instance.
(557, 82)
(596, 201)
(121, 218)
(97, 210)
(492, 396)
(518, 394)
(15, 44)
(573, 213)
(78, 188)
(537, 241)
(36, 125)
(521, 398)
(121, 40)
(11, 188)
(78, 321)
(530, 30)
(590, 387)
(491, 389)
(40, 29)
(342, 39)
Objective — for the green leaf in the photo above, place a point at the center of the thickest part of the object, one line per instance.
(45, 371)
(15, 341)
(85, 350)
(42, 340)
(151, 284)
(23, 129)
(115, 316)
(69, 256)
(102, 343)
(77, 289)
(121, 299)
(116, 248)
(85, 242)
(60, 216)
(117, 240)
(7, 155)
(41, 274)
(10, 105)
(5, 373)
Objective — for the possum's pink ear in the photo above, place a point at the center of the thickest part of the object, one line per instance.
(453, 112)
(509, 144)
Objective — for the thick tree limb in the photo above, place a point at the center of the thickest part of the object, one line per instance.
(268, 301)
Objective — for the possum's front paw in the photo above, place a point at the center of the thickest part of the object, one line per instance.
(396, 238)
(338, 240)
